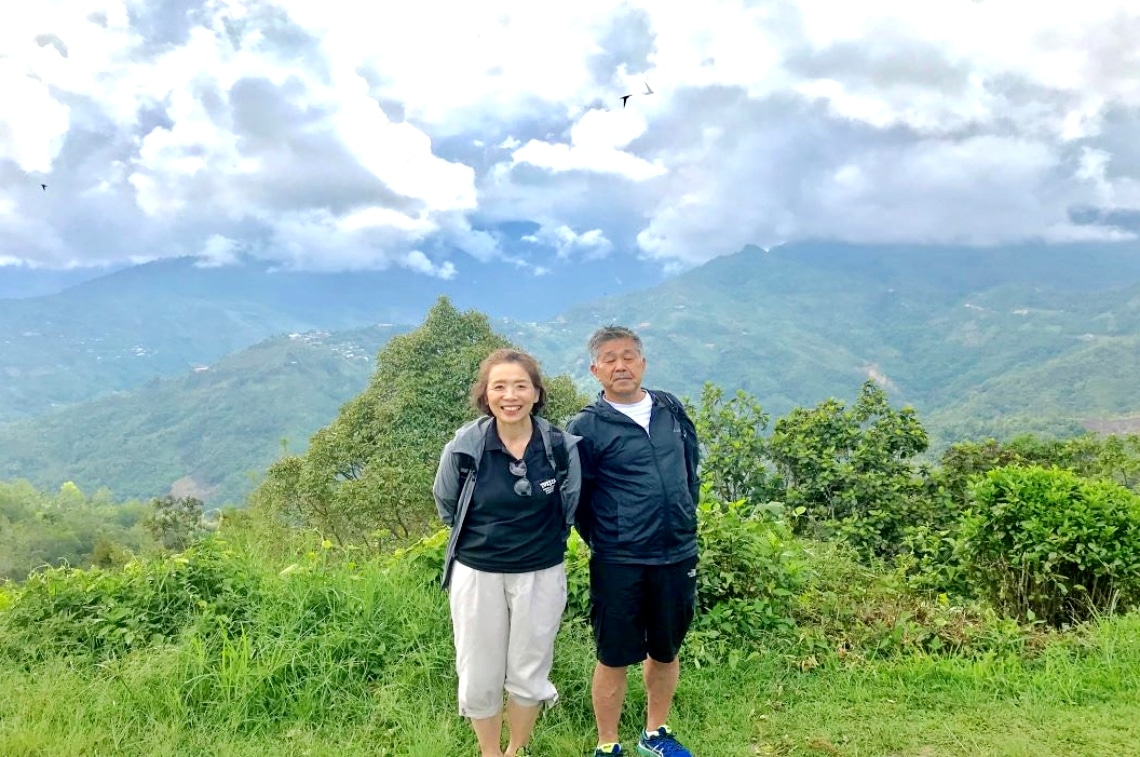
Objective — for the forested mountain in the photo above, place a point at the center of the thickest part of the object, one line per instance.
(205, 434)
(164, 318)
(979, 341)
(936, 326)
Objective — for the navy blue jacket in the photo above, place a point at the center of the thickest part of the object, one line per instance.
(637, 503)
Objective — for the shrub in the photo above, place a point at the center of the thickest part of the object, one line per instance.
(103, 613)
(751, 569)
(1047, 544)
(852, 611)
(848, 470)
(424, 557)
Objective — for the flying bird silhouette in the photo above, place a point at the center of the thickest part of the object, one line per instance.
(44, 186)
(647, 91)
(623, 99)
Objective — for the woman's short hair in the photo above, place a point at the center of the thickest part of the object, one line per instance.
(505, 355)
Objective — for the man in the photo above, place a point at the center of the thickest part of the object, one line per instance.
(637, 512)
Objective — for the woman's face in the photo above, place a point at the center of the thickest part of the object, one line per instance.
(510, 393)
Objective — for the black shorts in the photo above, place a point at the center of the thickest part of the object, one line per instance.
(640, 611)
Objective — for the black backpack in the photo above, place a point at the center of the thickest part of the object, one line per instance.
(688, 434)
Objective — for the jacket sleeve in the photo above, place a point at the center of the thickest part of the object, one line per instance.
(446, 486)
(692, 448)
(572, 486)
(695, 466)
(583, 514)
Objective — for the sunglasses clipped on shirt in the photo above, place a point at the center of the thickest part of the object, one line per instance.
(522, 486)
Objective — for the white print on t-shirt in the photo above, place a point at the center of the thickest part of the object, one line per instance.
(548, 486)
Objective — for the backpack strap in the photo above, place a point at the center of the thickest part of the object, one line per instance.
(688, 434)
(466, 465)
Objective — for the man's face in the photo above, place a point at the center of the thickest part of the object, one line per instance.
(619, 368)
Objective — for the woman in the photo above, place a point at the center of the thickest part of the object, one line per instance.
(507, 485)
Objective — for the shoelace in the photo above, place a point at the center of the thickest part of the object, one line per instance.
(667, 742)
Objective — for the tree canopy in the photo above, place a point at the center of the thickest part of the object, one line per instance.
(368, 473)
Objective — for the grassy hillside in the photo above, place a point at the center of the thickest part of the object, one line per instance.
(206, 433)
(339, 655)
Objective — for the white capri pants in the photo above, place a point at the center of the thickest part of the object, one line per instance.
(504, 627)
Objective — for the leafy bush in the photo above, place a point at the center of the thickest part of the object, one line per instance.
(39, 529)
(853, 611)
(1047, 544)
(734, 454)
(848, 471)
(424, 557)
(103, 613)
(751, 569)
(577, 579)
(929, 561)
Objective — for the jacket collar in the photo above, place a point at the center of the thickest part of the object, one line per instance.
(471, 436)
(602, 405)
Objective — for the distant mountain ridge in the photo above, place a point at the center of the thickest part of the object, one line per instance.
(21, 281)
(980, 341)
(116, 332)
(206, 432)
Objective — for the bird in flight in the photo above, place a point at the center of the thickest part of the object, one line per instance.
(623, 99)
(647, 91)
(44, 186)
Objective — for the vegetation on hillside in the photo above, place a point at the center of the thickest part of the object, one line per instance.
(855, 598)
(207, 434)
(982, 343)
(367, 475)
(68, 528)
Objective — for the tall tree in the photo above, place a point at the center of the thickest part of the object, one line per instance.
(734, 463)
(850, 469)
(369, 472)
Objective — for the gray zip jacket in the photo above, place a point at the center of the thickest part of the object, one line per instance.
(452, 504)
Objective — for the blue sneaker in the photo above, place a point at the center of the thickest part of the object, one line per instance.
(608, 749)
(661, 743)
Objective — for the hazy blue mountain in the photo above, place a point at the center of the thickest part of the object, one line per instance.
(19, 281)
(205, 433)
(118, 331)
(979, 341)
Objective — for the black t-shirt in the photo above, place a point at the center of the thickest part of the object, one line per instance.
(503, 531)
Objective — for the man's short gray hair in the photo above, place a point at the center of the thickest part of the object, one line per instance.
(608, 334)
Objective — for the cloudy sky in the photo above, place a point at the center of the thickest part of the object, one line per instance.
(329, 134)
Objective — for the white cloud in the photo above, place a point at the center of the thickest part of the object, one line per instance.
(218, 251)
(595, 146)
(591, 244)
(33, 140)
(322, 133)
(417, 261)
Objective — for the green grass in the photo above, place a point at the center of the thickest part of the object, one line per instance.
(339, 659)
